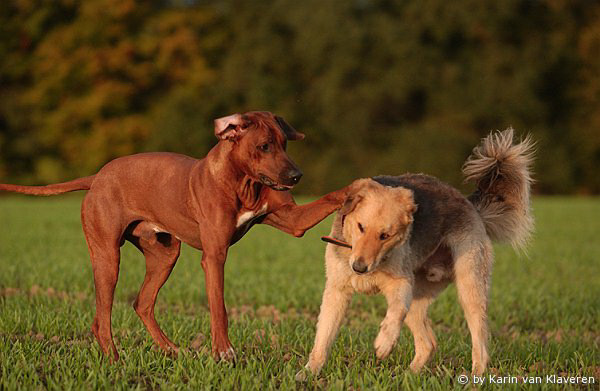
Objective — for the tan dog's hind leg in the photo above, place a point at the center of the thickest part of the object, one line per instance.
(472, 272)
(418, 322)
(161, 256)
(420, 326)
(398, 293)
(333, 309)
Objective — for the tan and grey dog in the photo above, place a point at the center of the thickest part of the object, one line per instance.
(412, 235)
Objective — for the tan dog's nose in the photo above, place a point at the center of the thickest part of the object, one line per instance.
(359, 266)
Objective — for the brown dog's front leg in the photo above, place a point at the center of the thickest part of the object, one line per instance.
(214, 265)
(297, 219)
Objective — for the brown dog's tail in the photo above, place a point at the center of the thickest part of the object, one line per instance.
(502, 173)
(58, 188)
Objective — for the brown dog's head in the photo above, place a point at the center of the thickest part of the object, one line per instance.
(260, 139)
(376, 218)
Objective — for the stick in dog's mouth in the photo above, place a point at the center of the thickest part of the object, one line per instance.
(335, 241)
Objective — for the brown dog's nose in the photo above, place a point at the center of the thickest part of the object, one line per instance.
(294, 174)
(359, 266)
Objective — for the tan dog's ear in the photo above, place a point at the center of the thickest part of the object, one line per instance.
(405, 197)
(290, 133)
(355, 195)
(350, 204)
(231, 127)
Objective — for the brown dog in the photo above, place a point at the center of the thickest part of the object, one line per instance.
(158, 200)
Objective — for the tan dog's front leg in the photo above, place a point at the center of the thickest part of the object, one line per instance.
(333, 309)
(398, 293)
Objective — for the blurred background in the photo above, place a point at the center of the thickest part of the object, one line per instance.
(379, 87)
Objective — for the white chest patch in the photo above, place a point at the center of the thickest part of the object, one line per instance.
(364, 284)
(247, 216)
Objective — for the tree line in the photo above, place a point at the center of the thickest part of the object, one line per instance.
(378, 86)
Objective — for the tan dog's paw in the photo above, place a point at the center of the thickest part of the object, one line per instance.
(416, 365)
(383, 345)
(308, 371)
(478, 369)
(302, 375)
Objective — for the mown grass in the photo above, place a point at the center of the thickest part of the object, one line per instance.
(544, 311)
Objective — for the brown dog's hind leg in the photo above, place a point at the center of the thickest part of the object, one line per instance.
(106, 272)
(161, 251)
(102, 235)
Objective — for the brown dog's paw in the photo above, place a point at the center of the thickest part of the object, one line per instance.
(113, 356)
(173, 351)
(225, 356)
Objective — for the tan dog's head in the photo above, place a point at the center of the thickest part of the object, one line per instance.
(375, 219)
(260, 140)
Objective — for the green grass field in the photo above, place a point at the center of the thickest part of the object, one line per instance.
(544, 311)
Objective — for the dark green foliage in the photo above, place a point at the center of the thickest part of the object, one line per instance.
(377, 86)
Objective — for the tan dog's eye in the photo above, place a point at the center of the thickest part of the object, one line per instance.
(264, 147)
(383, 236)
(360, 228)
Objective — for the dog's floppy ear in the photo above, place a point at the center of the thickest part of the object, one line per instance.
(355, 195)
(231, 127)
(290, 133)
(405, 198)
(350, 204)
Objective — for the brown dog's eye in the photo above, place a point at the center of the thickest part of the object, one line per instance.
(360, 227)
(383, 236)
(264, 147)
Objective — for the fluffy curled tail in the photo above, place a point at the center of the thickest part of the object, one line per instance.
(501, 171)
(57, 188)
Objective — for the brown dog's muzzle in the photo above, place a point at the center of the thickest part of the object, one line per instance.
(282, 174)
(285, 181)
(292, 176)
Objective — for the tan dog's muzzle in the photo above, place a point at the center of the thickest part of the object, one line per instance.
(359, 266)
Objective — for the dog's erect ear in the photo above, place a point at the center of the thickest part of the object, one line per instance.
(290, 133)
(230, 128)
